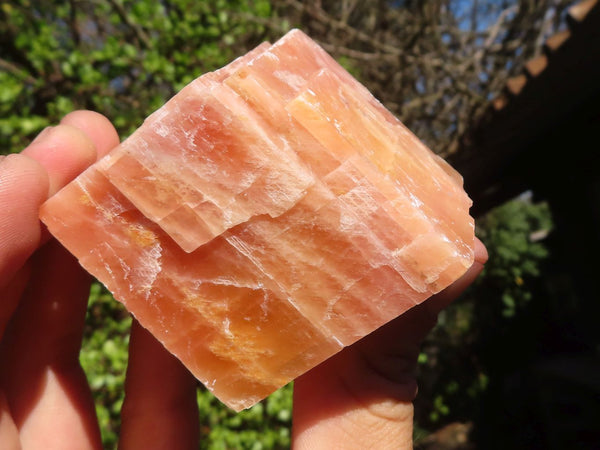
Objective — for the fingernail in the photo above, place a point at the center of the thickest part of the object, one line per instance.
(42, 133)
(481, 253)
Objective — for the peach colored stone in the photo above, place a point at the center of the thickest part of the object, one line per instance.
(268, 215)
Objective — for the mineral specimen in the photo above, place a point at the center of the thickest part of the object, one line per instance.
(268, 215)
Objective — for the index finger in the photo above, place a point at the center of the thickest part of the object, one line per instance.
(53, 159)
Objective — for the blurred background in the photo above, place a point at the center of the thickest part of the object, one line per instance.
(506, 90)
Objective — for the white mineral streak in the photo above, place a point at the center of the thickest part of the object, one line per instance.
(337, 341)
(246, 250)
(149, 268)
(107, 258)
(416, 202)
(109, 209)
(347, 222)
(290, 78)
(264, 306)
(161, 129)
(226, 330)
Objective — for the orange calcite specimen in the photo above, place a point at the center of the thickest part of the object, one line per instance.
(268, 215)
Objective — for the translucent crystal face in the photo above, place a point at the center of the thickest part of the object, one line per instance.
(268, 215)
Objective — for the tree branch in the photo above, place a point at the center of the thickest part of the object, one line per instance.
(140, 34)
(16, 71)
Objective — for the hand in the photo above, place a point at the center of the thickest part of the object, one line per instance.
(360, 397)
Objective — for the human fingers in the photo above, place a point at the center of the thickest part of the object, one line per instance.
(97, 127)
(157, 382)
(345, 403)
(54, 158)
(363, 395)
(70, 147)
(23, 187)
(64, 151)
(44, 384)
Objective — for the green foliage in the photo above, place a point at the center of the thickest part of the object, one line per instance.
(121, 58)
(514, 256)
(264, 426)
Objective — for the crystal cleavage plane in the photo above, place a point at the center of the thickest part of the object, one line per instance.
(268, 215)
